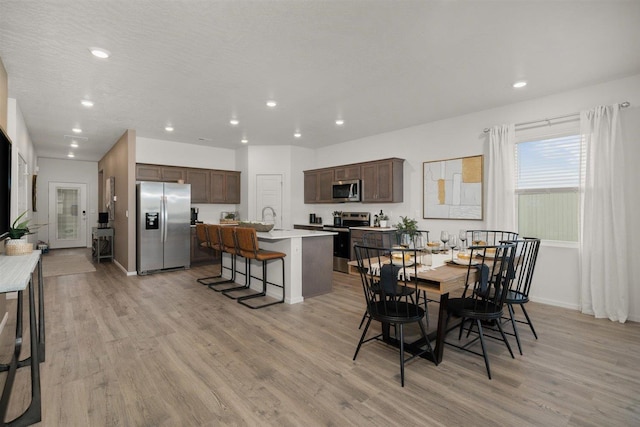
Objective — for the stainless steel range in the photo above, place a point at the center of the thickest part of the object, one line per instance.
(342, 241)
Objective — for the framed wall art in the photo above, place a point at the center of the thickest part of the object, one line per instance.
(452, 189)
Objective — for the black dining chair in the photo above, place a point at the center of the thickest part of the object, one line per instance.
(489, 275)
(383, 272)
(386, 240)
(489, 237)
(525, 261)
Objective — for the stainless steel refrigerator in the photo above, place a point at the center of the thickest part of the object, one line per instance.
(164, 229)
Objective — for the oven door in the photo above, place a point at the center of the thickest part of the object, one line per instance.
(341, 250)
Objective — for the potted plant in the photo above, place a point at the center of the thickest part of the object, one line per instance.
(381, 219)
(407, 226)
(20, 228)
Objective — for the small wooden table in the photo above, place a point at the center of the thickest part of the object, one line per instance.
(16, 275)
(439, 281)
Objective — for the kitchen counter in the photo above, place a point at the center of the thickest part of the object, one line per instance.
(308, 263)
(374, 228)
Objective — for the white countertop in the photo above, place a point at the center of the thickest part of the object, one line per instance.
(15, 271)
(374, 228)
(289, 234)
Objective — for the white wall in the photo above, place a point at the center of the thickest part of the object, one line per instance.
(173, 153)
(72, 171)
(23, 146)
(556, 279)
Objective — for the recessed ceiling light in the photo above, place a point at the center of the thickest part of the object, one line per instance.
(169, 128)
(98, 52)
(519, 84)
(271, 103)
(74, 144)
(339, 122)
(234, 122)
(297, 135)
(87, 103)
(77, 130)
(244, 140)
(70, 155)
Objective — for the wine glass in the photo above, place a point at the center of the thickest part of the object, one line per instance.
(444, 236)
(453, 243)
(463, 238)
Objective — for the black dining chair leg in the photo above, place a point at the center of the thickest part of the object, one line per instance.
(529, 321)
(515, 328)
(401, 355)
(504, 338)
(484, 350)
(462, 328)
(426, 338)
(364, 333)
(364, 316)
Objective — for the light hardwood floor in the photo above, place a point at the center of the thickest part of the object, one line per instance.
(163, 350)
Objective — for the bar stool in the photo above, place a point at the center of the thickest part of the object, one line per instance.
(247, 241)
(212, 235)
(228, 245)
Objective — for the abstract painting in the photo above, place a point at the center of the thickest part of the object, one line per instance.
(452, 189)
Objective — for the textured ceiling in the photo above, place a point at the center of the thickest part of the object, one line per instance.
(380, 65)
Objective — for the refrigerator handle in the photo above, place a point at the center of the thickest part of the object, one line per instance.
(164, 218)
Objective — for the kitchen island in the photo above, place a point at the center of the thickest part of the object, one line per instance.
(308, 264)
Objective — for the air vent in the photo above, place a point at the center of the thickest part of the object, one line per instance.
(75, 137)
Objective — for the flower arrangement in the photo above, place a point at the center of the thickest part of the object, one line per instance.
(407, 225)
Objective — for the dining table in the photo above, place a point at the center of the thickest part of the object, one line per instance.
(440, 278)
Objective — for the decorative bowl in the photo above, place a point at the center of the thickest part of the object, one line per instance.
(259, 226)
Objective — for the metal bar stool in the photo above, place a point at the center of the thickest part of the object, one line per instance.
(247, 241)
(228, 242)
(213, 243)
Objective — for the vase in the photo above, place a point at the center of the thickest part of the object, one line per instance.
(383, 223)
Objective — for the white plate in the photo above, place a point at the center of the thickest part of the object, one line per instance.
(407, 263)
(460, 261)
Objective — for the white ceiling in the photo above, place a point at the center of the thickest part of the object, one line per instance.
(379, 65)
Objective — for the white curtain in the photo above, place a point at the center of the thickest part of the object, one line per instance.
(501, 198)
(603, 238)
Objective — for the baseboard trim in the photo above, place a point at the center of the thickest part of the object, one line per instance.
(124, 270)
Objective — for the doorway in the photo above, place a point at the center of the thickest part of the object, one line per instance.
(67, 215)
(269, 194)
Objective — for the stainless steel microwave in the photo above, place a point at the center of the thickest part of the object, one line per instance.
(346, 191)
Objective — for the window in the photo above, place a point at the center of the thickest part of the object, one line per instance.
(548, 174)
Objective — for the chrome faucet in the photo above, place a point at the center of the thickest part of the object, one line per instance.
(273, 213)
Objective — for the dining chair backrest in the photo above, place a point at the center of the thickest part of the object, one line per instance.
(247, 241)
(386, 273)
(489, 276)
(526, 257)
(201, 234)
(213, 236)
(489, 237)
(228, 236)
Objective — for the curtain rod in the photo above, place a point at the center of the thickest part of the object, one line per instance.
(566, 116)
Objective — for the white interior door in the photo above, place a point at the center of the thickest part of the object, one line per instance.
(67, 215)
(269, 194)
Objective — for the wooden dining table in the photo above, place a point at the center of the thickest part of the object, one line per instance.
(440, 281)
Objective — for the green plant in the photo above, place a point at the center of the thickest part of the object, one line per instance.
(337, 213)
(382, 216)
(230, 215)
(20, 228)
(407, 225)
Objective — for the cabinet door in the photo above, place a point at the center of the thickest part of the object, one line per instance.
(325, 181)
(369, 174)
(311, 187)
(232, 187)
(199, 180)
(384, 172)
(356, 239)
(173, 174)
(347, 172)
(217, 183)
(148, 172)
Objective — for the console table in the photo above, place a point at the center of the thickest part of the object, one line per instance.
(16, 274)
(100, 235)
